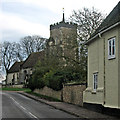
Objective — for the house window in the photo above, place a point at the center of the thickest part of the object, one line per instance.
(111, 48)
(95, 81)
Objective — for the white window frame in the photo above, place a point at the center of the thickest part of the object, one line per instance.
(111, 48)
(95, 81)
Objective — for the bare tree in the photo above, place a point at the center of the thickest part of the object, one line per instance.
(18, 51)
(8, 55)
(39, 43)
(88, 20)
(31, 44)
(27, 45)
(12, 52)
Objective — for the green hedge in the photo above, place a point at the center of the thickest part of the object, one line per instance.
(45, 75)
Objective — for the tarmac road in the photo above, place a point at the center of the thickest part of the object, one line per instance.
(15, 105)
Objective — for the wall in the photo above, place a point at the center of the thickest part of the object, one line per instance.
(70, 93)
(49, 92)
(95, 64)
(111, 72)
(16, 86)
(73, 94)
(107, 91)
(23, 74)
(66, 38)
(10, 77)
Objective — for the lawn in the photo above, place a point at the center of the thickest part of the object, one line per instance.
(15, 89)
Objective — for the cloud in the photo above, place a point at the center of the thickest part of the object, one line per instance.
(12, 22)
(69, 5)
(52, 5)
(29, 21)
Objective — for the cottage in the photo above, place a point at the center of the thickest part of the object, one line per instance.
(104, 63)
(13, 74)
(27, 67)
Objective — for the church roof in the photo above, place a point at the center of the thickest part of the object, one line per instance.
(15, 67)
(32, 59)
(112, 19)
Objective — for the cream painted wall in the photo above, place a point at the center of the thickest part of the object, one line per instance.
(111, 72)
(10, 77)
(22, 74)
(96, 64)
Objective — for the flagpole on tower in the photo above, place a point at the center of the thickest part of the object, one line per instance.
(63, 16)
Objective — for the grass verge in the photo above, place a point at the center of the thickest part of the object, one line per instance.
(27, 90)
(44, 97)
(15, 89)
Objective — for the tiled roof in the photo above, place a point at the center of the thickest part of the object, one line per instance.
(111, 19)
(15, 67)
(32, 59)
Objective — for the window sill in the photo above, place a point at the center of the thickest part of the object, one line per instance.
(111, 57)
(93, 92)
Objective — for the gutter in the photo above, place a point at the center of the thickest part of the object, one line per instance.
(98, 34)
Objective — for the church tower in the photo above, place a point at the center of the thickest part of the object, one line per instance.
(63, 38)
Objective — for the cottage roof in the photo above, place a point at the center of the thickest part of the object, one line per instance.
(113, 19)
(32, 59)
(15, 67)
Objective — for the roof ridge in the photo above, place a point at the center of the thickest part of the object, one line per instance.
(112, 18)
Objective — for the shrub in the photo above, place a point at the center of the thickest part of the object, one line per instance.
(41, 83)
(53, 80)
(31, 84)
(56, 83)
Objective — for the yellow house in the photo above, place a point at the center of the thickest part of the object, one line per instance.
(104, 63)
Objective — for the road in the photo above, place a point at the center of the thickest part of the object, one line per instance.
(15, 105)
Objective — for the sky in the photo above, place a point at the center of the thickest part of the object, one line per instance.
(20, 18)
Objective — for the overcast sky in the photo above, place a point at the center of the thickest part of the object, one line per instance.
(19, 18)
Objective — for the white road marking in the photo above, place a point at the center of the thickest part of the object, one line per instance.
(32, 115)
(14, 100)
(24, 108)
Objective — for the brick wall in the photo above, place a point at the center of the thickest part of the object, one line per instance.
(73, 94)
(70, 93)
(49, 92)
(15, 86)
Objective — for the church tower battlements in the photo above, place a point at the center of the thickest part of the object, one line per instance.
(63, 24)
(63, 37)
(62, 31)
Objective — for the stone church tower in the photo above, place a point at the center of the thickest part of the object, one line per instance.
(63, 39)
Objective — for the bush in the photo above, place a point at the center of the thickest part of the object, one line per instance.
(56, 83)
(54, 76)
(53, 80)
(31, 84)
(41, 83)
(37, 81)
